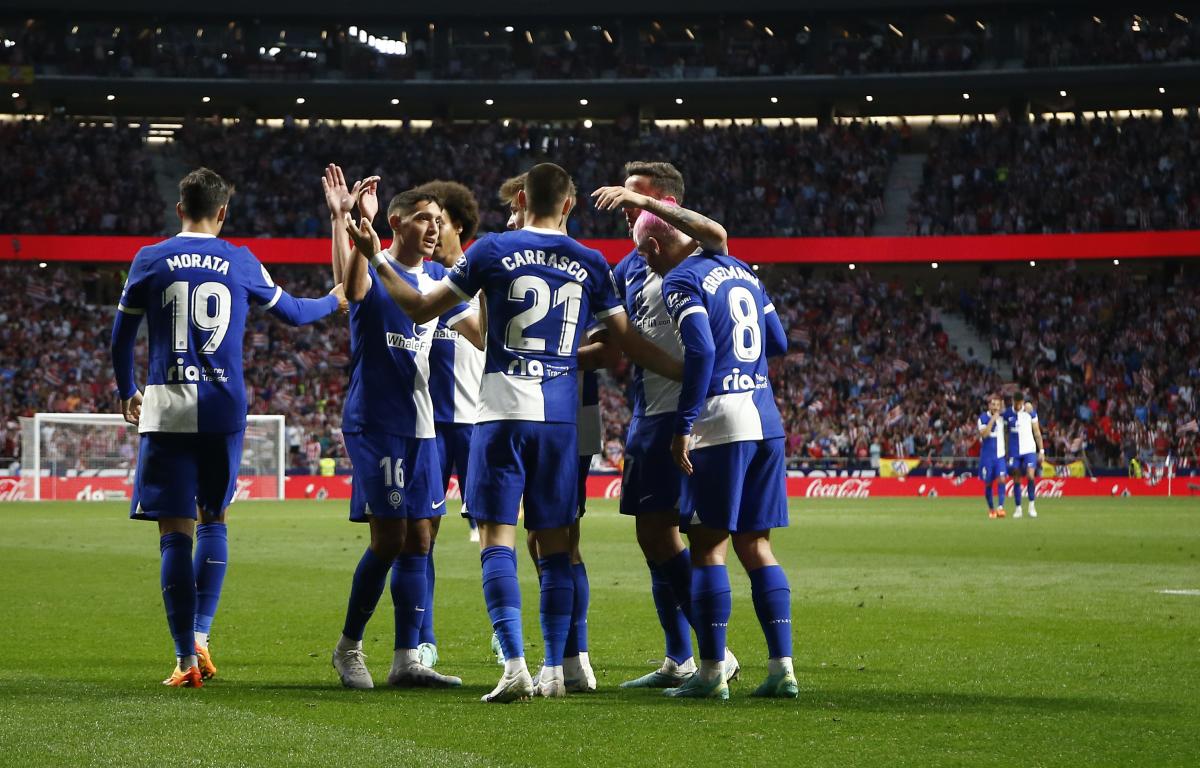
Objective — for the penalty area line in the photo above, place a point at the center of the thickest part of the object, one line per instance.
(1187, 592)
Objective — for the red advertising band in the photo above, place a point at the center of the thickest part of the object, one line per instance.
(753, 250)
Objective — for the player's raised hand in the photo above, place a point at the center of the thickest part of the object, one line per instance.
(680, 452)
(343, 304)
(131, 408)
(362, 233)
(338, 196)
(368, 197)
(612, 198)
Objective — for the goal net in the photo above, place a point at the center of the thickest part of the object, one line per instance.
(92, 457)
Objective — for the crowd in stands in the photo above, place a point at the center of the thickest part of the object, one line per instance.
(58, 177)
(601, 48)
(1064, 40)
(869, 372)
(782, 181)
(1114, 361)
(1095, 175)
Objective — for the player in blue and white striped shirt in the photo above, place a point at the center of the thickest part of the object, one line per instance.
(540, 286)
(729, 442)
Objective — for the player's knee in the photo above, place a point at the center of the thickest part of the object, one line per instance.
(753, 550)
(418, 538)
(552, 541)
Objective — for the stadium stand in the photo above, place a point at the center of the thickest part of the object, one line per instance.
(868, 374)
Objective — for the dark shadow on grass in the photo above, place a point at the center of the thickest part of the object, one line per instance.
(925, 702)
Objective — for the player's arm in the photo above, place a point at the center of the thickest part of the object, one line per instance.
(699, 356)
(599, 352)
(776, 341)
(341, 201)
(124, 338)
(640, 350)
(710, 234)
(420, 307)
(297, 312)
(466, 323)
(1037, 437)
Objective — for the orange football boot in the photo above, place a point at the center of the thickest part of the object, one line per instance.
(208, 670)
(185, 679)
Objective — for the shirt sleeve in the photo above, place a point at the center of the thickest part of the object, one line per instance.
(259, 285)
(133, 295)
(466, 277)
(603, 297)
(682, 300)
(699, 351)
(776, 334)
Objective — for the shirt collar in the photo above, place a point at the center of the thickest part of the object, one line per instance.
(185, 233)
(544, 231)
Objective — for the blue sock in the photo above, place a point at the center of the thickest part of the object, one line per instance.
(211, 559)
(987, 494)
(678, 571)
(558, 598)
(408, 593)
(503, 597)
(1032, 492)
(178, 581)
(365, 590)
(1002, 489)
(773, 604)
(712, 602)
(427, 635)
(1017, 493)
(577, 640)
(670, 615)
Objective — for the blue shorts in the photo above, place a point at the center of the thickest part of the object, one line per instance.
(535, 460)
(737, 487)
(651, 481)
(178, 472)
(1024, 462)
(394, 477)
(454, 450)
(992, 469)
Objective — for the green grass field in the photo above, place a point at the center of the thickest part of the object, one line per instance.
(926, 635)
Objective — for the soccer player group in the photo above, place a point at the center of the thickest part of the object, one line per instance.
(481, 364)
(1011, 443)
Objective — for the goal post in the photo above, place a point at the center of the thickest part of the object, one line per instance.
(93, 457)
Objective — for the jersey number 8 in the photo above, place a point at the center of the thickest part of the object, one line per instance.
(747, 337)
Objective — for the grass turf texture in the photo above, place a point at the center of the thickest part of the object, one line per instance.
(925, 635)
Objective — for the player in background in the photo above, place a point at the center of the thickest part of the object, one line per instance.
(194, 290)
(455, 368)
(577, 664)
(1028, 452)
(991, 454)
(538, 284)
(652, 483)
(388, 429)
(729, 442)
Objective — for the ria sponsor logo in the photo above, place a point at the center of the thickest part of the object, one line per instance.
(179, 373)
(737, 381)
(850, 488)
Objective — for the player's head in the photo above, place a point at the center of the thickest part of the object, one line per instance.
(659, 180)
(203, 196)
(508, 196)
(460, 218)
(1018, 401)
(548, 193)
(662, 245)
(995, 403)
(415, 217)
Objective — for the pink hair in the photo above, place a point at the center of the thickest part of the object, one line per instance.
(648, 225)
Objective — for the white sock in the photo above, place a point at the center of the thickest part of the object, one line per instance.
(201, 639)
(187, 662)
(782, 664)
(515, 666)
(552, 673)
(710, 670)
(346, 644)
(405, 657)
(584, 661)
(672, 667)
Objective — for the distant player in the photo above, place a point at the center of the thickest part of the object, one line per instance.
(991, 454)
(577, 665)
(540, 286)
(194, 290)
(388, 429)
(1026, 449)
(729, 442)
(652, 483)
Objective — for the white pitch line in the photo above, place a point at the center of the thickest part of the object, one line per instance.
(1188, 592)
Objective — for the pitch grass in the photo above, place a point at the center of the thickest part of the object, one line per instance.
(926, 635)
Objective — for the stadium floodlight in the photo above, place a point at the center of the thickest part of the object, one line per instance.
(300, 100)
(966, 96)
(112, 97)
(206, 99)
(870, 98)
(1063, 94)
(395, 102)
(489, 102)
(1161, 89)
(678, 101)
(1116, 262)
(1032, 263)
(587, 123)
(42, 265)
(774, 99)
(509, 28)
(90, 456)
(852, 266)
(583, 102)
(16, 94)
(934, 265)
